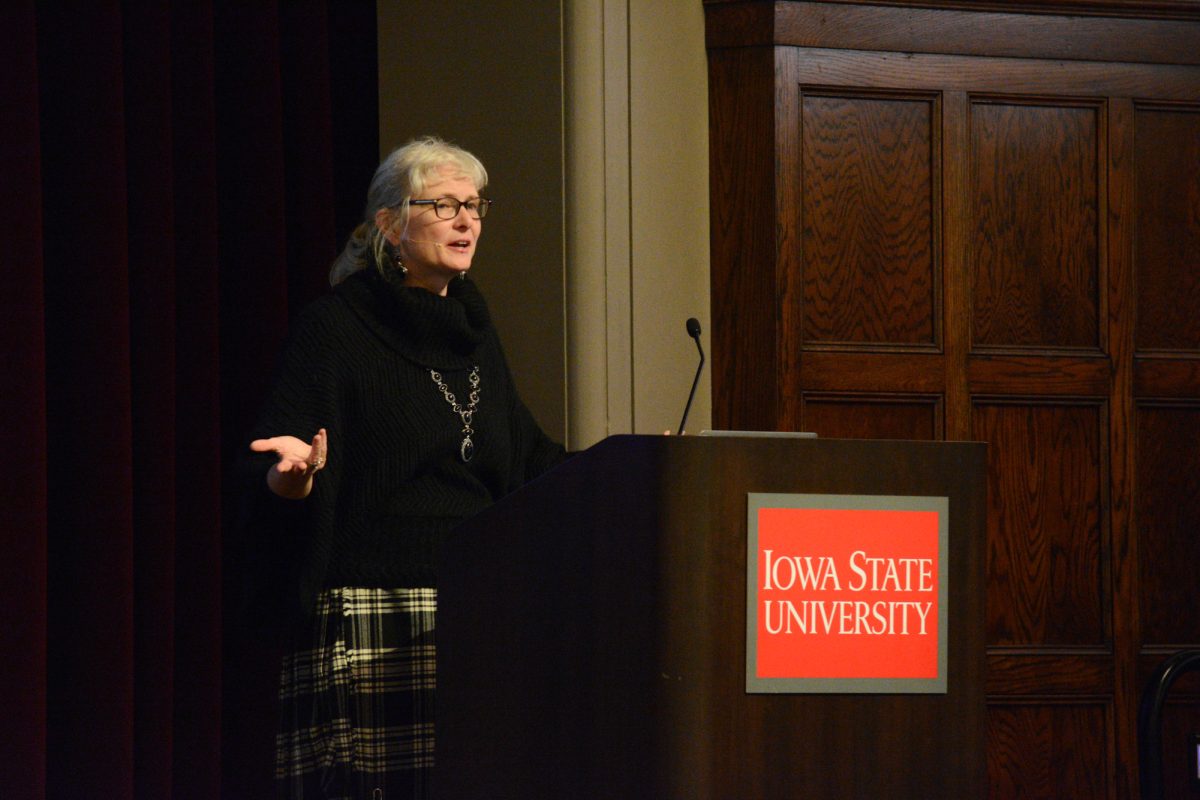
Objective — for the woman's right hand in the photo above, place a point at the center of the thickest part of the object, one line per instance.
(292, 475)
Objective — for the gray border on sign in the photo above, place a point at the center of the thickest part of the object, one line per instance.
(852, 502)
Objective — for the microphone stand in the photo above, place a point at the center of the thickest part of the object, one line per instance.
(693, 329)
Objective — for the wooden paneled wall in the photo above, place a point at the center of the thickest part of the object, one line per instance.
(981, 220)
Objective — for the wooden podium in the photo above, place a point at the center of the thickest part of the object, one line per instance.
(592, 633)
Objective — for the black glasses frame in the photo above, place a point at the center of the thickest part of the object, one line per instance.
(481, 206)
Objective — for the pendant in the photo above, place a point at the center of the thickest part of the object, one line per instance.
(467, 450)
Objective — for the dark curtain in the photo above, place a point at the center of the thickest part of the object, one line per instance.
(175, 180)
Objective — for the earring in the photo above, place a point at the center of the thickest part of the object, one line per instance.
(399, 265)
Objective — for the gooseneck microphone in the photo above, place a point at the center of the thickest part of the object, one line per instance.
(693, 329)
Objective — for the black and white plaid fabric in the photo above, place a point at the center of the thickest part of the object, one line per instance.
(357, 709)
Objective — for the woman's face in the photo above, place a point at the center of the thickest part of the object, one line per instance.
(436, 250)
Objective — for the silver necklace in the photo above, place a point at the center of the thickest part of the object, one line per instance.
(467, 448)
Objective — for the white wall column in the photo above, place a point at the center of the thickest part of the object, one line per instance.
(637, 214)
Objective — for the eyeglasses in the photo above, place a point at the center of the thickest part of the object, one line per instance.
(448, 207)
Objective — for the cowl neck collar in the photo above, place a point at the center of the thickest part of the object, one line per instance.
(434, 331)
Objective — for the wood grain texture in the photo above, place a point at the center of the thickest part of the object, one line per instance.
(1060, 673)
(1044, 374)
(873, 417)
(789, 194)
(936, 72)
(1163, 377)
(1045, 582)
(624, 642)
(1187, 687)
(1140, 9)
(1094, 161)
(1167, 246)
(743, 254)
(985, 33)
(1019, 29)
(1035, 207)
(869, 199)
(956, 269)
(873, 372)
(1049, 750)
(1167, 510)
(1123, 554)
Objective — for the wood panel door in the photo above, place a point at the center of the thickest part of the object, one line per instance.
(986, 225)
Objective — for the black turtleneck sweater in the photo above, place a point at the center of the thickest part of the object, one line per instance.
(357, 362)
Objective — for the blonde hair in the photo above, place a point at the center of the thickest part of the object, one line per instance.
(406, 172)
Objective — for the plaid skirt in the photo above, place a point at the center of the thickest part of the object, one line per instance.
(357, 708)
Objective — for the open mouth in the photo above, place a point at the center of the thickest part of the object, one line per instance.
(462, 245)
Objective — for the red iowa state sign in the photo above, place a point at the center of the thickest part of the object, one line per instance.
(846, 593)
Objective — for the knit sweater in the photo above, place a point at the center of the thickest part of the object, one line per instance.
(357, 362)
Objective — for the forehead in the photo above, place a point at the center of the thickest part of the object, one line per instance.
(449, 180)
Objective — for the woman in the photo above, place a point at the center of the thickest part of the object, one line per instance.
(392, 418)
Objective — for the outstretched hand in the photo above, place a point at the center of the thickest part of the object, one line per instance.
(292, 475)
